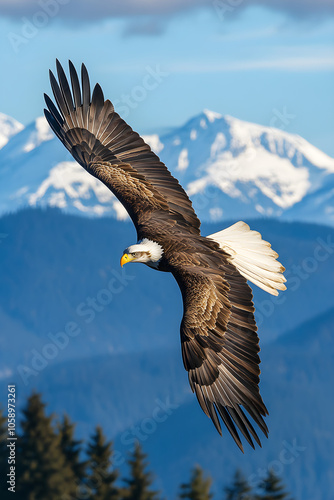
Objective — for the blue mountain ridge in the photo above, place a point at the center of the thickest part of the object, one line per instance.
(124, 370)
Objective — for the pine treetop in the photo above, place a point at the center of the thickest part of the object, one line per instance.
(272, 488)
(239, 489)
(198, 488)
(43, 471)
(137, 486)
(71, 448)
(101, 476)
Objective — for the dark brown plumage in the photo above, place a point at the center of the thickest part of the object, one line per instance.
(218, 331)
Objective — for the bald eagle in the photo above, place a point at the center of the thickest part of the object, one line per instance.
(219, 342)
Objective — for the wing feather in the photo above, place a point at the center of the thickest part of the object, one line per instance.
(96, 135)
(220, 345)
(75, 88)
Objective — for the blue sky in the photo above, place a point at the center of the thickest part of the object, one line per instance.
(273, 67)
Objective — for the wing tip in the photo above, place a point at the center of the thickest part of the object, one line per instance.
(58, 65)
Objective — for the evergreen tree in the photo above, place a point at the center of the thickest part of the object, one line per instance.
(3, 428)
(240, 489)
(198, 488)
(101, 478)
(3, 442)
(43, 471)
(272, 488)
(71, 448)
(138, 485)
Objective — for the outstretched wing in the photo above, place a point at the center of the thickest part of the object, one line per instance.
(220, 345)
(110, 150)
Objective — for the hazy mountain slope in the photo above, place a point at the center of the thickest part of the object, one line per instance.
(320, 201)
(57, 269)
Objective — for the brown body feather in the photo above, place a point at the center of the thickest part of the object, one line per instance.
(218, 331)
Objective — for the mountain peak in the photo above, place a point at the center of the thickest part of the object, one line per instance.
(211, 115)
(39, 132)
(8, 127)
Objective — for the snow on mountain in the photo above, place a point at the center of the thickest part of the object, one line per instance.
(36, 169)
(41, 132)
(230, 168)
(8, 128)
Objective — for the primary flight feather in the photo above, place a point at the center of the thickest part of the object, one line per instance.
(219, 342)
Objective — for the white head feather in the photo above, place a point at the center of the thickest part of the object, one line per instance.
(151, 251)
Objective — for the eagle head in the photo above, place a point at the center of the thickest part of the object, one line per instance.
(146, 251)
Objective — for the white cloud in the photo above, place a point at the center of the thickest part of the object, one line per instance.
(100, 9)
(297, 63)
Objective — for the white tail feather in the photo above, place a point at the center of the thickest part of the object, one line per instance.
(252, 256)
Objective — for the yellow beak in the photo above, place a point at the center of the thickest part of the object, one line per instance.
(125, 259)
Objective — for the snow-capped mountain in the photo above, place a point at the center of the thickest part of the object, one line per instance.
(8, 128)
(36, 169)
(230, 168)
